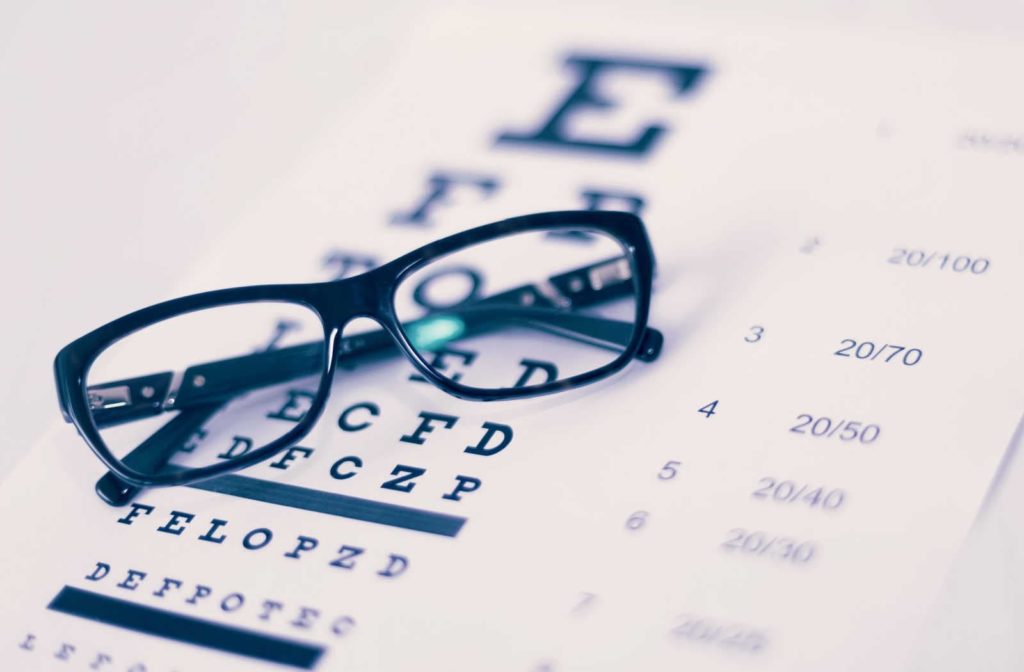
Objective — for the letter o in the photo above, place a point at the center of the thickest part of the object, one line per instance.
(341, 626)
(237, 599)
(254, 546)
(419, 294)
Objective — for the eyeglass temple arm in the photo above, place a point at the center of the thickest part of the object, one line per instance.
(217, 382)
(132, 399)
(157, 450)
(599, 332)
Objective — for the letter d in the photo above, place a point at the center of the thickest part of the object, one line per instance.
(482, 448)
(397, 564)
(102, 569)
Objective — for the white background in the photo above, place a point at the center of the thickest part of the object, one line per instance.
(130, 134)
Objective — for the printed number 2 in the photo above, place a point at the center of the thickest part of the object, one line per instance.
(708, 409)
(755, 334)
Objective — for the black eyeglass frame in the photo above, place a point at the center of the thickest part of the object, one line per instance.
(336, 303)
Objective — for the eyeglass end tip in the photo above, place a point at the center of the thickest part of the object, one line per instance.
(650, 345)
(114, 491)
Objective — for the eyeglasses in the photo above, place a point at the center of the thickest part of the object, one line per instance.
(180, 391)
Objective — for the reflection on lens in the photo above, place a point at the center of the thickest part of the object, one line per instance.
(522, 311)
(206, 387)
(431, 333)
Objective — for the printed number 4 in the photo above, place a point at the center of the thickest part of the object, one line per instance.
(708, 409)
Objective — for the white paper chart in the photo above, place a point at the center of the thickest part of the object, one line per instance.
(836, 225)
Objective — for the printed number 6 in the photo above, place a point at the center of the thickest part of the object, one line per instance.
(755, 334)
(636, 521)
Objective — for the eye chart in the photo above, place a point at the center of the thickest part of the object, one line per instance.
(836, 225)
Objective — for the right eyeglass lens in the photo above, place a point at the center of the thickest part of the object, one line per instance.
(523, 310)
(206, 387)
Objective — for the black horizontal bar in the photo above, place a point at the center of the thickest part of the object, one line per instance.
(166, 624)
(333, 504)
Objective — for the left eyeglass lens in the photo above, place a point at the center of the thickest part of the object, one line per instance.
(206, 387)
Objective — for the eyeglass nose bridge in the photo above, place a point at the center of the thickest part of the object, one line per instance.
(363, 296)
(351, 298)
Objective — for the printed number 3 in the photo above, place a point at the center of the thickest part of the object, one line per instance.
(755, 334)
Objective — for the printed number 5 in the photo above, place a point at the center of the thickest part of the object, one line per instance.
(669, 471)
(755, 334)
